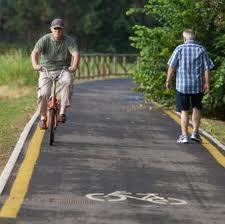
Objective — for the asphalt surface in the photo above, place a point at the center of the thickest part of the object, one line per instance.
(114, 144)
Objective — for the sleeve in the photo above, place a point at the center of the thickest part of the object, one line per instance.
(40, 44)
(72, 45)
(208, 64)
(174, 59)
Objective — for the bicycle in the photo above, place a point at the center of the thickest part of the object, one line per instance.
(53, 105)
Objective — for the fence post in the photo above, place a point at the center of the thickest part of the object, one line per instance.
(114, 65)
(97, 65)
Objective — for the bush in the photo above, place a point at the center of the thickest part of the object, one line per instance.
(157, 41)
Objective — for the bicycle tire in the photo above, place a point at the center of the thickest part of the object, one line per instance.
(108, 197)
(52, 114)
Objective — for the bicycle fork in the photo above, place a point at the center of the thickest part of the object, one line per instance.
(52, 105)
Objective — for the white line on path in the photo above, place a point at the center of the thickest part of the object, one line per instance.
(14, 156)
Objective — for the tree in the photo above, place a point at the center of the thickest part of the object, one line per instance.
(157, 41)
(99, 25)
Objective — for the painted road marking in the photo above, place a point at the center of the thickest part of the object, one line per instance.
(20, 186)
(19, 189)
(218, 156)
(118, 196)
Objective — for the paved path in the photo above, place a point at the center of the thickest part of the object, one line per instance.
(117, 162)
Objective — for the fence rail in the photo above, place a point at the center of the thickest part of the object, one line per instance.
(104, 65)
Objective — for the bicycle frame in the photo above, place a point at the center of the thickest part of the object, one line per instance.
(53, 105)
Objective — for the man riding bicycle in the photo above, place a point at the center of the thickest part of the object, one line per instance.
(55, 50)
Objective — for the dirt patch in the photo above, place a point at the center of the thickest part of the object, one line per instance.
(9, 92)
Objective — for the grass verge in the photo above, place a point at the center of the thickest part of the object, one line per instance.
(214, 127)
(14, 114)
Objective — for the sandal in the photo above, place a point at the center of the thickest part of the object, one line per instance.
(62, 118)
(42, 124)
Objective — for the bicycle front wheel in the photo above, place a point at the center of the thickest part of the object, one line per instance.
(52, 114)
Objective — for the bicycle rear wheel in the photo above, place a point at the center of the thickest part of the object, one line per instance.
(52, 114)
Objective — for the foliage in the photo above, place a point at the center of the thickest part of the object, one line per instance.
(157, 41)
(99, 25)
(215, 100)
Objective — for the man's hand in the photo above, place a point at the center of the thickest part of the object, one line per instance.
(206, 87)
(169, 84)
(74, 61)
(34, 59)
(71, 69)
(206, 80)
(170, 74)
(37, 67)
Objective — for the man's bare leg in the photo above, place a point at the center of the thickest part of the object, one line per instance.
(62, 114)
(196, 118)
(62, 110)
(184, 122)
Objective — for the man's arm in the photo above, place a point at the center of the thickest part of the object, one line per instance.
(208, 65)
(34, 59)
(74, 61)
(170, 74)
(173, 64)
(206, 81)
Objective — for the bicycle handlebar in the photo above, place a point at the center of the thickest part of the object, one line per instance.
(52, 78)
(47, 72)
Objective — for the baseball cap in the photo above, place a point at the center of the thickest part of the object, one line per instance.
(57, 23)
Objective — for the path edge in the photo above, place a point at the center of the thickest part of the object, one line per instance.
(206, 134)
(214, 140)
(16, 152)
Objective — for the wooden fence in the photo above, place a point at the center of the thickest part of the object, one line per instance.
(104, 65)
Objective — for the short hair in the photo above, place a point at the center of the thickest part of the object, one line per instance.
(189, 34)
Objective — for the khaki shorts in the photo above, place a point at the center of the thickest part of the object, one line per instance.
(64, 88)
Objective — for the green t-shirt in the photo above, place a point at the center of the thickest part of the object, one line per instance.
(56, 54)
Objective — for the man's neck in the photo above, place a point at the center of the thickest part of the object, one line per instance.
(57, 39)
(188, 41)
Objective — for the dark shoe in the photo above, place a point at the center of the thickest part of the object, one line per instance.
(196, 137)
(62, 118)
(42, 124)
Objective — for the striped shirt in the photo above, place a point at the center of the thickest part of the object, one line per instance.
(190, 60)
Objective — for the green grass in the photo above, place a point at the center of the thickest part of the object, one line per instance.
(14, 114)
(214, 127)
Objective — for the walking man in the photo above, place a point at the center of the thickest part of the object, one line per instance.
(55, 51)
(191, 64)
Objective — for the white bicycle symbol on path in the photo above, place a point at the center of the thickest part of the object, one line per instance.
(123, 195)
